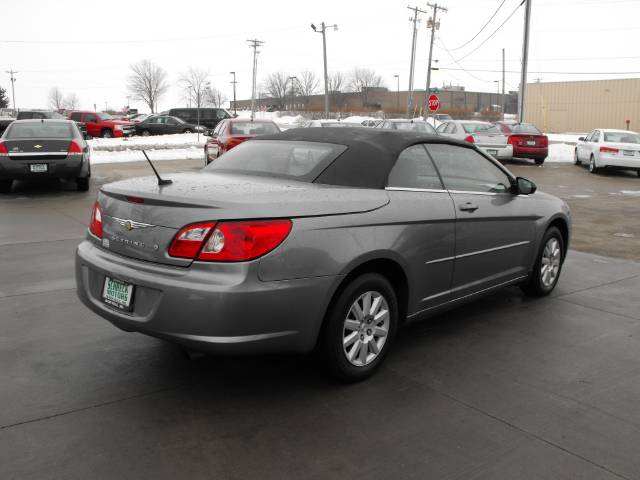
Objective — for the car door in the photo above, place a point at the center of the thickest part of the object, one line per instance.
(494, 228)
(172, 126)
(581, 147)
(91, 121)
(426, 237)
(594, 145)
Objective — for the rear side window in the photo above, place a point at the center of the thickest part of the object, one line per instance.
(479, 127)
(415, 127)
(621, 137)
(414, 169)
(466, 170)
(29, 130)
(296, 160)
(253, 128)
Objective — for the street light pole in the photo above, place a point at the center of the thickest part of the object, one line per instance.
(397, 93)
(502, 103)
(235, 112)
(323, 30)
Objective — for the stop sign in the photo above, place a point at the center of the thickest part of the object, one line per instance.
(434, 103)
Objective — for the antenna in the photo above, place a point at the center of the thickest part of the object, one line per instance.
(161, 181)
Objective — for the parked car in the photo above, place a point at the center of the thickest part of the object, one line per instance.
(44, 148)
(100, 124)
(527, 140)
(138, 117)
(39, 114)
(166, 125)
(483, 134)
(408, 125)
(317, 238)
(331, 124)
(436, 119)
(232, 132)
(208, 117)
(606, 148)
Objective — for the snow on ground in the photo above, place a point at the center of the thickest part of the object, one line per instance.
(157, 142)
(560, 152)
(635, 193)
(283, 121)
(570, 138)
(122, 156)
(357, 119)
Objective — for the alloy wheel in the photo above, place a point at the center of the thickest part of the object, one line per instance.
(550, 265)
(366, 327)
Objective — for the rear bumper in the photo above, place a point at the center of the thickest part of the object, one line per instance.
(69, 167)
(530, 152)
(218, 308)
(632, 163)
(502, 152)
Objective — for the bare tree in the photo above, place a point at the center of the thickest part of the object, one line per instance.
(336, 85)
(276, 87)
(308, 83)
(56, 99)
(214, 97)
(147, 83)
(196, 84)
(71, 101)
(362, 79)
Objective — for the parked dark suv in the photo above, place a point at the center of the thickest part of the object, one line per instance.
(209, 117)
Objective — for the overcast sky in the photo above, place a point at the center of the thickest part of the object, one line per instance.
(86, 47)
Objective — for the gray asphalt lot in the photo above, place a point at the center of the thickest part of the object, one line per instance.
(504, 388)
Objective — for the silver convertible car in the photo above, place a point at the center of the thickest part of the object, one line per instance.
(317, 238)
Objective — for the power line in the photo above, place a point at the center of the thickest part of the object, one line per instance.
(482, 29)
(492, 34)
(459, 65)
(542, 72)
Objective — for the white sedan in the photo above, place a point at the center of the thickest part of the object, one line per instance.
(609, 148)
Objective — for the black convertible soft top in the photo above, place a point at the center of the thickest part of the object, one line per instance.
(370, 154)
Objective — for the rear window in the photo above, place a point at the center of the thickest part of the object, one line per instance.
(340, 125)
(525, 128)
(27, 130)
(253, 128)
(621, 137)
(415, 127)
(480, 128)
(278, 158)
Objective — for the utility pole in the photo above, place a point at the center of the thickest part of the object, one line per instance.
(254, 44)
(235, 112)
(415, 10)
(13, 88)
(525, 60)
(503, 80)
(323, 30)
(435, 25)
(292, 78)
(397, 93)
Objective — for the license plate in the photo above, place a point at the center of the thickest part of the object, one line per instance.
(629, 153)
(38, 167)
(117, 293)
(492, 152)
(531, 142)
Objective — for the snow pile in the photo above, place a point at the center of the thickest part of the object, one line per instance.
(156, 142)
(283, 121)
(570, 138)
(122, 156)
(560, 152)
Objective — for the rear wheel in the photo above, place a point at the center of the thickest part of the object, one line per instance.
(576, 160)
(82, 183)
(106, 133)
(360, 327)
(187, 131)
(593, 168)
(546, 270)
(539, 161)
(5, 186)
(145, 133)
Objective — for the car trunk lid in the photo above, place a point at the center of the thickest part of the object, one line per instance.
(37, 149)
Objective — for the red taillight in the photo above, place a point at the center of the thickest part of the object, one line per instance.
(230, 241)
(3, 149)
(470, 139)
(608, 150)
(95, 225)
(74, 148)
(543, 140)
(135, 199)
(234, 141)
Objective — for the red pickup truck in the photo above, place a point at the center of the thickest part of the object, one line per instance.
(103, 125)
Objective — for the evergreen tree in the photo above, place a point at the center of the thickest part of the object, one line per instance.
(4, 100)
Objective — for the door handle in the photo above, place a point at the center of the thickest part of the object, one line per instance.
(468, 207)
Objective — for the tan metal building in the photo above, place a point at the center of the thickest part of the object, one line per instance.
(581, 106)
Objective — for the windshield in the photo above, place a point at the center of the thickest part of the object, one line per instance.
(420, 127)
(254, 128)
(525, 128)
(621, 137)
(39, 129)
(480, 127)
(278, 158)
(104, 116)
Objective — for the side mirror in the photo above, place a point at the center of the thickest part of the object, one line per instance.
(581, 139)
(525, 186)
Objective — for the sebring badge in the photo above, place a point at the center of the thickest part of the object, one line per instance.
(130, 224)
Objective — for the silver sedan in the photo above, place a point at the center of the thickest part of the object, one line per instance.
(484, 135)
(316, 238)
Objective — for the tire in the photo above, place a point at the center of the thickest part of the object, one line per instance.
(540, 284)
(638, 173)
(539, 161)
(5, 186)
(82, 183)
(592, 165)
(145, 133)
(369, 288)
(576, 160)
(187, 131)
(106, 133)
